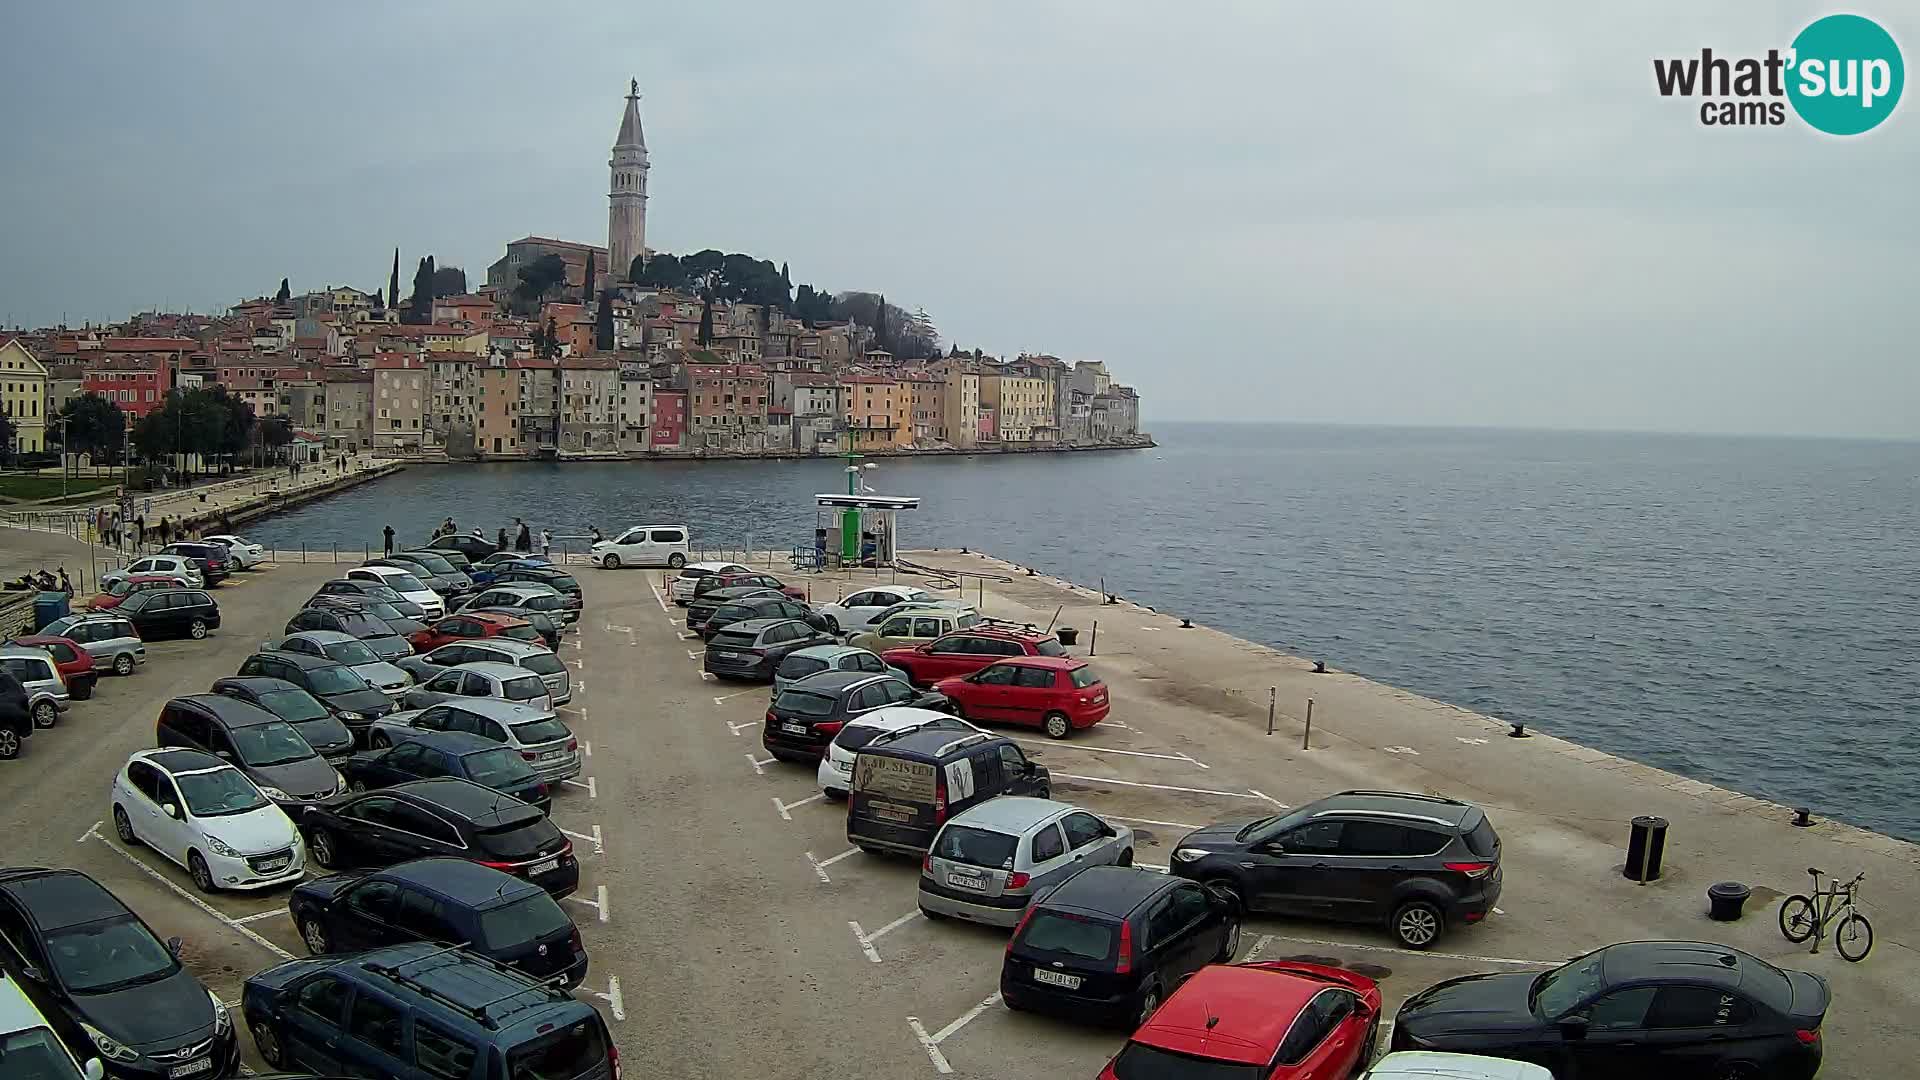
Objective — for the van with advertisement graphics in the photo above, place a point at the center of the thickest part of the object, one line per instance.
(906, 784)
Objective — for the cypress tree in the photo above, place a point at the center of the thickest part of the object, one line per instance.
(586, 287)
(284, 294)
(706, 317)
(393, 283)
(603, 323)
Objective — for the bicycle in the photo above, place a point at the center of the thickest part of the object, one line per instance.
(1803, 917)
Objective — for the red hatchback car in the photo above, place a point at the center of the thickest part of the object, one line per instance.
(1278, 1020)
(70, 659)
(1058, 693)
(109, 598)
(964, 652)
(473, 624)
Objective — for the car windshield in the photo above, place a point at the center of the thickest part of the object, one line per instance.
(1272, 823)
(563, 582)
(805, 703)
(561, 1055)
(323, 731)
(381, 592)
(351, 652)
(1049, 647)
(518, 837)
(524, 688)
(270, 744)
(218, 793)
(107, 955)
(404, 582)
(539, 731)
(1559, 990)
(364, 626)
(1138, 1061)
(523, 922)
(292, 705)
(121, 587)
(799, 667)
(521, 633)
(335, 680)
(500, 768)
(380, 609)
(1068, 935)
(432, 562)
(976, 847)
(35, 1054)
(734, 640)
(544, 663)
(728, 613)
(1083, 677)
(544, 602)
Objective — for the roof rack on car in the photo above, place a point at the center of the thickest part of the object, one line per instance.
(963, 740)
(1405, 795)
(477, 1012)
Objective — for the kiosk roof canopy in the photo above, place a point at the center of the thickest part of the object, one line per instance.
(869, 502)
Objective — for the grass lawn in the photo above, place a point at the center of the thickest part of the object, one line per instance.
(30, 486)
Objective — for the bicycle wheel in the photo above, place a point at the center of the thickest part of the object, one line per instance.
(1854, 937)
(1797, 918)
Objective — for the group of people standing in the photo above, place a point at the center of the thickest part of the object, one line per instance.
(116, 531)
(521, 540)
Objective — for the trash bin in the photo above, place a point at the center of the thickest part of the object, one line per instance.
(47, 607)
(1725, 899)
(1067, 635)
(1646, 846)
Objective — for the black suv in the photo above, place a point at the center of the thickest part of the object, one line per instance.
(442, 816)
(313, 720)
(1111, 942)
(157, 613)
(702, 607)
(388, 642)
(351, 587)
(214, 560)
(269, 750)
(806, 716)
(754, 648)
(774, 606)
(428, 754)
(351, 698)
(448, 900)
(555, 578)
(1417, 863)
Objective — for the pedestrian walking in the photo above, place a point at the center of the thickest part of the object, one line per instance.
(226, 523)
(546, 543)
(140, 530)
(597, 538)
(166, 531)
(523, 539)
(388, 533)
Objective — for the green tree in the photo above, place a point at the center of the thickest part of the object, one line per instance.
(536, 280)
(284, 294)
(603, 323)
(586, 283)
(393, 283)
(449, 281)
(8, 432)
(94, 426)
(706, 317)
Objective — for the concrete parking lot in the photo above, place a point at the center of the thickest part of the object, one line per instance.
(734, 932)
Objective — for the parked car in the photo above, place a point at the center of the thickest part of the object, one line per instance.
(346, 649)
(268, 749)
(815, 659)
(702, 607)
(541, 738)
(425, 754)
(397, 621)
(805, 717)
(102, 969)
(383, 640)
(473, 547)
(1423, 1065)
(29, 1045)
(1638, 1008)
(1277, 1020)
(526, 596)
(111, 640)
(1419, 864)
(835, 774)
(159, 613)
(906, 784)
(245, 553)
(854, 613)
(371, 585)
(73, 662)
(16, 723)
(329, 737)
(1111, 942)
(348, 696)
(441, 585)
(644, 545)
(773, 606)
(483, 679)
(43, 692)
(913, 624)
(967, 651)
(442, 816)
(533, 656)
(448, 901)
(470, 1018)
(545, 627)
(754, 648)
(705, 585)
(178, 569)
(408, 587)
(502, 559)
(112, 592)
(208, 818)
(991, 859)
(440, 566)
(458, 561)
(214, 560)
(471, 625)
(558, 580)
(682, 587)
(1058, 694)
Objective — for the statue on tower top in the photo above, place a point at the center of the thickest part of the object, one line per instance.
(633, 87)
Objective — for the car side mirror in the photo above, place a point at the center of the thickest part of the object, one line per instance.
(223, 755)
(172, 810)
(173, 947)
(1574, 1026)
(1362, 1009)
(34, 973)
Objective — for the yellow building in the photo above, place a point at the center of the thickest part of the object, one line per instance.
(1023, 407)
(879, 413)
(23, 396)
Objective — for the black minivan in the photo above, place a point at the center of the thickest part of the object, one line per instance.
(269, 750)
(907, 784)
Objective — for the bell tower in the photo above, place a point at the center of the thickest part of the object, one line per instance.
(627, 191)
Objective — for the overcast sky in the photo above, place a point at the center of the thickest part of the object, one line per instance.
(1417, 213)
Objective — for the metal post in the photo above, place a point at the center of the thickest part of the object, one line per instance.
(303, 551)
(1095, 643)
(1307, 736)
(1273, 692)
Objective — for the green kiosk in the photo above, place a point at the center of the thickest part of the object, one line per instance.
(858, 530)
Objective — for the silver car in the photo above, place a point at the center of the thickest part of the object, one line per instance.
(543, 740)
(110, 639)
(46, 690)
(349, 650)
(481, 679)
(529, 595)
(818, 658)
(534, 657)
(989, 860)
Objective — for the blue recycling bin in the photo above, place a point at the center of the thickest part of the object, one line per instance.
(47, 607)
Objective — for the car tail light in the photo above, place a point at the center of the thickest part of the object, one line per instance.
(1474, 870)
(940, 802)
(613, 1059)
(1018, 881)
(771, 718)
(1124, 963)
(529, 755)
(577, 946)
(926, 863)
(829, 727)
(1808, 1036)
(573, 744)
(496, 865)
(1022, 925)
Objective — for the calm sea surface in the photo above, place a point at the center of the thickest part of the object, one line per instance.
(1741, 610)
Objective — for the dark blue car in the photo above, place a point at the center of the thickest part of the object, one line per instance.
(448, 753)
(423, 1012)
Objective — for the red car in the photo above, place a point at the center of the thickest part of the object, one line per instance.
(110, 597)
(70, 659)
(964, 652)
(1058, 693)
(473, 624)
(765, 581)
(1279, 1020)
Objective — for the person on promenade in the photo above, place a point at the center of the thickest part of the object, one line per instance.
(139, 531)
(166, 531)
(500, 543)
(388, 534)
(226, 523)
(66, 583)
(595, 530)
(546, 543)
(523, 539)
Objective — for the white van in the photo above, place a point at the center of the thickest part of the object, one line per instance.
(644, 545)
(28, 1044)
(1431, 1065)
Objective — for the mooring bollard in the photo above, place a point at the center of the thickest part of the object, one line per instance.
(1273, 694)
(1306, 736)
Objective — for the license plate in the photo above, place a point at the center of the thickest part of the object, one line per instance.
(549, 755)
(891, 812)
(275, 865)
(794, 729)
(726, 656)
(192, 1068)
(1054, 978)
(960, 881)
(544, 867)
(1100, 698)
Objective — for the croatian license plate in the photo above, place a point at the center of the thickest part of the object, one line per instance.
(274, 866)
(549, 755)
(726, 656)
(544, 867)
(891, 812)
(192, 1068)
(794, 729)
(961, 881)
(1054, 978)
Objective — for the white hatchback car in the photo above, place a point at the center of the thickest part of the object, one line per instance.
(644, 545)
(178, 567)
(205, 815)
(1428, 1065)
(410, 588)
(835, 774)
(246, 553)
(857, 611)
(692, 572)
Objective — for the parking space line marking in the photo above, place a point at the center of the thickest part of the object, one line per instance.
(1150, 866)
(866, 946)
(1259, 946)
(586, 745)
(759, 766)
(1247, 794)
(1270, 799)
(259, 915)
(600, 904)
(691, 655)
(783, 807)
(661, 600)
(894, 925)
(742, 693)
(224, 919)
(820, 866)
(738, 728)
(612, 629)
(932, 1048)
(592, 786)
(91, 833)
(594, 838)
(931, 1043)
(1056, 744)
(966, 1018)
(1324, 944)
(1150, 821)
(615, 1004)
